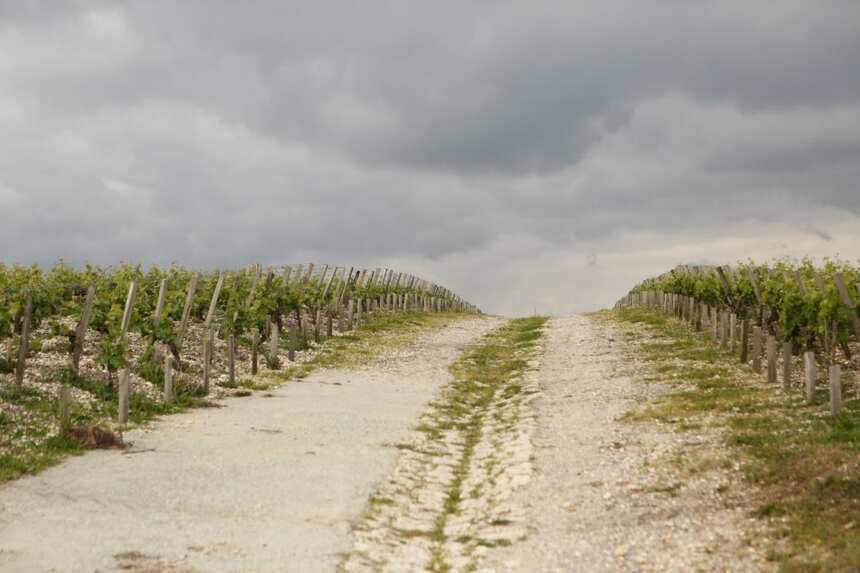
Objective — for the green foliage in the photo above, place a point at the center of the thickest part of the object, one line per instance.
(804, 465)
(111, 353)
(151, 368)
(799, 300)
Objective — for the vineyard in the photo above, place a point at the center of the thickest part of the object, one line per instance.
(710, 422)
(771, 316)
(767, 355)
(87, 351)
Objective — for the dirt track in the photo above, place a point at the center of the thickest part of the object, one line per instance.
(282, 482)
(264, 484)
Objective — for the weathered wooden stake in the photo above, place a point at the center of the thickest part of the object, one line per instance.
(292, 343)
(274, 345)
(341, 318)
(81, 332)
(168, 379)
(733, 328)
(756, 349)
(129, 310)
(835, 389)
(159, 305)
(255, 343)
(186, 310)
(231, 358)
(771, 359)
(122, 409)
(24, 345)
(258, 272)
(715, 322)
(745, 340)
(328, 327)
(786, 365)
(724, 330)
(809, 373)
(350, 313)
(213, 304)
(845, 297)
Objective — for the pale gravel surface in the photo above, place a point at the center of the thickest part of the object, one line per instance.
(612, 496)
(268, 483)
(400, 529)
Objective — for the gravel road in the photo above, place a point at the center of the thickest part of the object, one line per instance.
(607, 495)
(282, 482)
(267, 483)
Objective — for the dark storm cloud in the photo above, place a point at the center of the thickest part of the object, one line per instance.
(443, 136)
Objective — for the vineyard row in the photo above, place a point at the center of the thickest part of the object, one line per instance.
(149, 323)
(773, 312)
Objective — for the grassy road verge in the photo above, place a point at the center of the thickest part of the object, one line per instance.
(30, 440)
(805, 464)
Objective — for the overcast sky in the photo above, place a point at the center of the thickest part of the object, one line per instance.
(529, 155)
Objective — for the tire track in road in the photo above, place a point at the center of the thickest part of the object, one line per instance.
(448, 502)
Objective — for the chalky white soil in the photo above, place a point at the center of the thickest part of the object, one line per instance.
(608, 495)
(334, 472)
(267, 483)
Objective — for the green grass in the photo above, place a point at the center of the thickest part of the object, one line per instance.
(486, 371)
(26, 444)
(480, 375)
(29, 444)
(363, 344)
(806, 465)
(52, 451)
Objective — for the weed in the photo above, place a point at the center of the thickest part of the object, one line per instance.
(805, 464)
(480, 375)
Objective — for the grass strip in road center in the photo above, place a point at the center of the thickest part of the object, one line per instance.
(445, 504)
(480, 376)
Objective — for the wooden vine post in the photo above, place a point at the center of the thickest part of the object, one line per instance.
(81, 331)
(231, 357)
(835, 370)
(733, 328)
(293, 342)
(771, 359)
(274, 345)
(168, 379)
(786, 365)
(159, 305)
(255, 344)
(186, 310)
(809, 373)
(753, 279)
(24, 345)
(845, 298)
(209, 335)
(835, 389)
(756, 349)
(124, 374)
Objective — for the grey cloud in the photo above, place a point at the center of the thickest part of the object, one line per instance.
(451, 138)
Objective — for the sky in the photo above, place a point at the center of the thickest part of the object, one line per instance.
(531, 156)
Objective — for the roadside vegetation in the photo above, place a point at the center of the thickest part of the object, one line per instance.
(482, 375)
(804, 463)
(440, 506)
(361, 345)
(30, 437)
